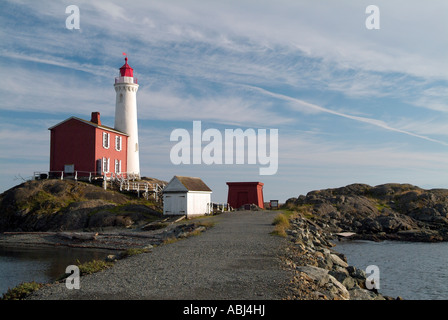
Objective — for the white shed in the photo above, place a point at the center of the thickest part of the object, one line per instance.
(186, 196)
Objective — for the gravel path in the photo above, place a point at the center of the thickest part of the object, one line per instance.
(235, 259)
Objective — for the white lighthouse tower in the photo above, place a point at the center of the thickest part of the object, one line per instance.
(126, 115)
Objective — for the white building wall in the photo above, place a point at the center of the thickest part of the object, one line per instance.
(198, 203)
(191, 203)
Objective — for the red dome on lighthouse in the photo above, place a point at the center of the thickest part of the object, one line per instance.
(126, 70)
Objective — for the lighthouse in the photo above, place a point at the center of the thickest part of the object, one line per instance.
(126, 115)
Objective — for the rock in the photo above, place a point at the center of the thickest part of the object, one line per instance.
(370, 225)
(200, 229)
(364, 294)
(384, 212)
(332, 287)
(319, 275)
(112, 258)
(154, 226)
(423, 235)
(323, 209)
(395, 223)
(338, 261)
(356, 273)
(325, 262)
(370, 211)
(57, 205)
(339, 273)
(350, 283)
(83, 236)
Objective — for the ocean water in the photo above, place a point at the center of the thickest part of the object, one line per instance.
(42, 265)
(411, 270)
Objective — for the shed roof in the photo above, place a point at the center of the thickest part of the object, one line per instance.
(179, 183)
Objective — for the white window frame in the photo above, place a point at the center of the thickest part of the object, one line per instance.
(106, 140)
(106, 163)
(118, 140)
(117, 166)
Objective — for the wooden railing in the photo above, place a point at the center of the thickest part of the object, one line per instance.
(214, 207)
(124, 181)
(83, 175)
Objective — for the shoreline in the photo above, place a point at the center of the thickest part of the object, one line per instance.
(320, 271)
(118, 239)
(119, 243)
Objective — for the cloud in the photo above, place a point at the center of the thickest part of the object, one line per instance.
(279, 43)
(300, 105)
(229, 108)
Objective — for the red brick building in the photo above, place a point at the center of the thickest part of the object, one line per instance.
(87, 148)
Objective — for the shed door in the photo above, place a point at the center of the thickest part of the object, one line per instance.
(177, 204)
(243, 198)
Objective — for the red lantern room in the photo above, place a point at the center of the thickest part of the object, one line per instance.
(126, 70)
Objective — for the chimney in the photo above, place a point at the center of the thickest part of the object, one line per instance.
(96, 118)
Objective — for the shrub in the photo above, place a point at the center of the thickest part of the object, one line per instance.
(21, 291)
(281, 223)
(93, 266)
(134, 251)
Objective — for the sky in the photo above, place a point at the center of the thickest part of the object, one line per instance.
(351, 104)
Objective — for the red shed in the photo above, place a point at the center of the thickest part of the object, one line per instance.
(87, 148)
(241, 193)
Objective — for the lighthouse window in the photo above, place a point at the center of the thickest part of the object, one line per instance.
(106, 139)
(118, 143)
(121, 97)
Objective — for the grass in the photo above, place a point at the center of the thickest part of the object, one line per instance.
(170, 240)
(46, 201)
(281, 224)
(43, 202)
(134, 251)
(206, 224)
(381, 206)
(93, 266)
(21, 291)
(305, 209)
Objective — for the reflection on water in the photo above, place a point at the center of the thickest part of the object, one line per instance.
(42, 265)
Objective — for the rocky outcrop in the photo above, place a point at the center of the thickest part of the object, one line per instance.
(59, 205)
(388, 211)
(321, 273)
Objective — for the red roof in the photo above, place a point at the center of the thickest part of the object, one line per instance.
(126, 70)
(96, 125)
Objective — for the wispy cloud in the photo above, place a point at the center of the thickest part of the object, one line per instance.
(300, 105)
